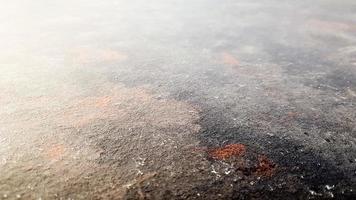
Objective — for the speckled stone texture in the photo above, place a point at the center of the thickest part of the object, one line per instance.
(178, 99)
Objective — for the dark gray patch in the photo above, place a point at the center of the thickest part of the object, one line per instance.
(312, 172)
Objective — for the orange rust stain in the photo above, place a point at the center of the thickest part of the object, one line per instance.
(83, 111)
(292, 114)
(265, 166)
(92, 55)
(86, 111)
(110, 55)
(228, 151)
(103, 102)
(229, 59)
(289, 117)
(55, 152)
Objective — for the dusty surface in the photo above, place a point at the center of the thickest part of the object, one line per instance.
(165, 99)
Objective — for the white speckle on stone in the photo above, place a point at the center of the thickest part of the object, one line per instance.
(270, 134)
(328, 187)
(227, 171)
(331, 195)
(312, 192)
(214, 171)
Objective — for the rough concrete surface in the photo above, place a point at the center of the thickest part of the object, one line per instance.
(177, 99)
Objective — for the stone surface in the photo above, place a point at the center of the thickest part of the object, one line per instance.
(168, 99)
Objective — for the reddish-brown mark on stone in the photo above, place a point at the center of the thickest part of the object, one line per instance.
(289, 117)
(103, 102)
(292, 114)
(265, 166)
(55, 152)
(229, 59)
(330, 26)
(228, 151)
(93, 55)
